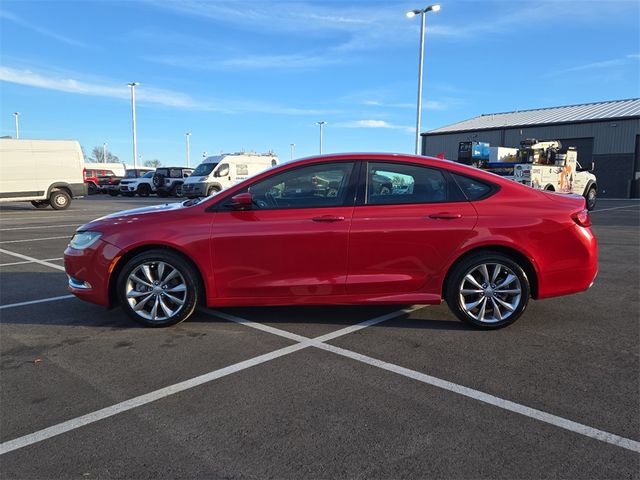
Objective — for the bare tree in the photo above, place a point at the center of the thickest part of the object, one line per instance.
(155, 163)
(97, 156)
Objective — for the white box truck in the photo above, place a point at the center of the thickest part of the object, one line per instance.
(43, 172)
(222, 171)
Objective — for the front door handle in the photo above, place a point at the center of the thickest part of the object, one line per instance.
(445, 216)
(328, 218)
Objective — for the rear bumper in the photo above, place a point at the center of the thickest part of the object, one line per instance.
(575, 272)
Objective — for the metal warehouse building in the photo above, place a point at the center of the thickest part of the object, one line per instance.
(606, 135)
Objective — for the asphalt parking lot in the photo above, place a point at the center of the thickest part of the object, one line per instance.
(331, 392)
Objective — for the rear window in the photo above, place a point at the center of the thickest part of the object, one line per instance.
(472, 188)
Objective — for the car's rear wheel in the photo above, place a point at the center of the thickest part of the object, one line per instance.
(59, 200)
(40, 203)
(144, 190)
(158, 288)
(488, 290)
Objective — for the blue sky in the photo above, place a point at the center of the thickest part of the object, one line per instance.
(257, 75)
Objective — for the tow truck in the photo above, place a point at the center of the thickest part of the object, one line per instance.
(542, 165)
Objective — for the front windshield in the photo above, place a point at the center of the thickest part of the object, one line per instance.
(204, 169)
(148, 174)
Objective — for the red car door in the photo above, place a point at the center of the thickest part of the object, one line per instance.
(410, 223)
(293, 241)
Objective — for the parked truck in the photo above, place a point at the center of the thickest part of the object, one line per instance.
(542, 165)
(43, 172)
(222, 171)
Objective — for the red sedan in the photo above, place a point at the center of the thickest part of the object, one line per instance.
(342, 229)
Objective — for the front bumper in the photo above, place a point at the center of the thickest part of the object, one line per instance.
(195, 189)
(90, 270)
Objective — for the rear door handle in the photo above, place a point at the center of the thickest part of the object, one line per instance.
(445, 216)
(328, 218)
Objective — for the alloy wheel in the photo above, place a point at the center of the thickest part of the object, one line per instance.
(490, 293)
(156, 291)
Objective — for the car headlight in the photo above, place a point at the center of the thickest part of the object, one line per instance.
(82, 240)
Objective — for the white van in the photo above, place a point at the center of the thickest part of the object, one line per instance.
(222, 171)
(44, 172)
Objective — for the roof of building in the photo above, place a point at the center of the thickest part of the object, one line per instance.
(542, 116)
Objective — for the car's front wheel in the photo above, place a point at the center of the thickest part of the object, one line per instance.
(144, 190)
(487, 290)
(158, 288)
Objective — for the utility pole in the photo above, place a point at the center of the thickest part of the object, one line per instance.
(321, 124)
(16, 115)
(187, 136)
(133, 86)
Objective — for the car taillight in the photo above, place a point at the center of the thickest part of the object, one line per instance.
(582, 218)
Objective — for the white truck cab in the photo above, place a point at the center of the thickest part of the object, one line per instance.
(222, 171)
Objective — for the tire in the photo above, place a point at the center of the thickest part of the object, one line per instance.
(60, 200)
(144, 190)
(152, 293)
(92, 189)
(176, 191)
(591, 198)
(485, 289)
(549, 188)
(212, 190)
(40, 204)
(114, 193)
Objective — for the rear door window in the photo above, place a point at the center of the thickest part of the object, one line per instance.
(391, 183)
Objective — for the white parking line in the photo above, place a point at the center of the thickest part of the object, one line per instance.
(36, 239)
(33, 302)
(39, 226)
(613, 208)
(135, 402)
(28, 261)
(31, 259)
(540, 415)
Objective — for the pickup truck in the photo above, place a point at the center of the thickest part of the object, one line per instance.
(111, 184)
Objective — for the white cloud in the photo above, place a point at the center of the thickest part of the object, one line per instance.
(374, 124)
(249, 62)
(146, 94)
(42, 31)
(600, 65)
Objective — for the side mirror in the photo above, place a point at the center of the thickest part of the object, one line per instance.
(242, 201)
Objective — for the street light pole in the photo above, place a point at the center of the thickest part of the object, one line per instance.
(411, 14)
(187, 135)
(104, 152)
(133, 86)
(293, 147)
(321, 124)
(16, 115)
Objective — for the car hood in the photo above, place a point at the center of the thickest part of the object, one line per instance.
(131, 216)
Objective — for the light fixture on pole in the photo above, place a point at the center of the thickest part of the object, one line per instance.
(16, 116)
(187, 136)
(321, 124)
(293, 148)
(133, 86)
(411, 14)
(104, 152)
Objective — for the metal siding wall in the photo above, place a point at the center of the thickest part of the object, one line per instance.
(448, 143)
(608, 139)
